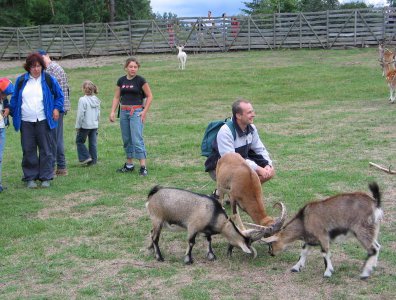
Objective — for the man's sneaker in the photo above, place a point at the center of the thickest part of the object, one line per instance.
(126, 169)
(62, 172)
(84, 162)
(31, 184)
(143, 171)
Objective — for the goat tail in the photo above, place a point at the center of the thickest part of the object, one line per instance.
(154, 190)
(374, 188)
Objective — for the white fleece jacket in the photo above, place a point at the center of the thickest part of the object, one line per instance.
(88, 112)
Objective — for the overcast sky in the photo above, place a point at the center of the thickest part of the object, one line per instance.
(199, 8)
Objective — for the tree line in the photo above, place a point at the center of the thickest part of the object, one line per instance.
(21, 13)
(292, 6)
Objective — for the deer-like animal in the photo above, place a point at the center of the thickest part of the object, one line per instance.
(390, 73)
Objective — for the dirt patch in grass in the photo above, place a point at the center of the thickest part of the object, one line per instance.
(56, 208)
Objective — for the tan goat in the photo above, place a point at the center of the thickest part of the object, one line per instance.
(235, 178)
(198, 214)
(320, 222)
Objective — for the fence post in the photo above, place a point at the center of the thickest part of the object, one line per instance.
(300, 29)
(327, 29)
(130, 35)
(249, 37)
(274, 30)
(61, 28)
(152, 37)
(40, 37)
(18, 46)
(107, 37)
(354, 29)
(84, 39)
(383, 23)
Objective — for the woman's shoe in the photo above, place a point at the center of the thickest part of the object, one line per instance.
(31, 184)
(45, 184)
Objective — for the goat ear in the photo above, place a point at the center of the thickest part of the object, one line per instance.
(270, 239)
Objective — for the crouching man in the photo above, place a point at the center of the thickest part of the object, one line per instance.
(246, 142)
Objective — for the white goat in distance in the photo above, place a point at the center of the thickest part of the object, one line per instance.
(182, 56)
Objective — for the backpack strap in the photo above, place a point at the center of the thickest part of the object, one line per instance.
(230, 125)
(47, 80)
(20, 82)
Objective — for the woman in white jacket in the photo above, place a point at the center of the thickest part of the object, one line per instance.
(87, 123)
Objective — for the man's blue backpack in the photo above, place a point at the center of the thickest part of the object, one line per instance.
(211, 133)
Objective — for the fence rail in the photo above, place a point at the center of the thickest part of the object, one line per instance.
(326, 29)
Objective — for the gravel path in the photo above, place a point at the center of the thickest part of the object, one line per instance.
(72, 63)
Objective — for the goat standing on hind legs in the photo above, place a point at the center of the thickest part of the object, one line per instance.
(182, 57)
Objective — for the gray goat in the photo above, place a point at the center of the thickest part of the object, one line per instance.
(198, 214)
(320, 222)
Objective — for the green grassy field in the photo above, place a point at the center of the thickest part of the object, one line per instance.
(323, 116)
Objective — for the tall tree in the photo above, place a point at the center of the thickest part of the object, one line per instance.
(112, 10)
(51, 3)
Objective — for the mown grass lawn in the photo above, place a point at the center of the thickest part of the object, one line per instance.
(323, 115)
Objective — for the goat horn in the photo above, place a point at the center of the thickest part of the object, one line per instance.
(255, 226)
(254, 251)
(279, 222)
(262, 231)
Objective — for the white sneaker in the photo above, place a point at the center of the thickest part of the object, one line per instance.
(84, 162)
(45, 184)
(31, 184)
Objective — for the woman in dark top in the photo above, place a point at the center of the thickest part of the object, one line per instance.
(130, 93)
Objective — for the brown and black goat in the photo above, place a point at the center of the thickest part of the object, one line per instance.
(198, 214)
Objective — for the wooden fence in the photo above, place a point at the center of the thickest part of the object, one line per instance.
(327, 30)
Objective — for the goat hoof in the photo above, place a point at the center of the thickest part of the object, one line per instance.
(364, 275)
(327, 275)
(188, 261)
(211, 257)
(295, 270)
(160, 259)
(229, 250)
